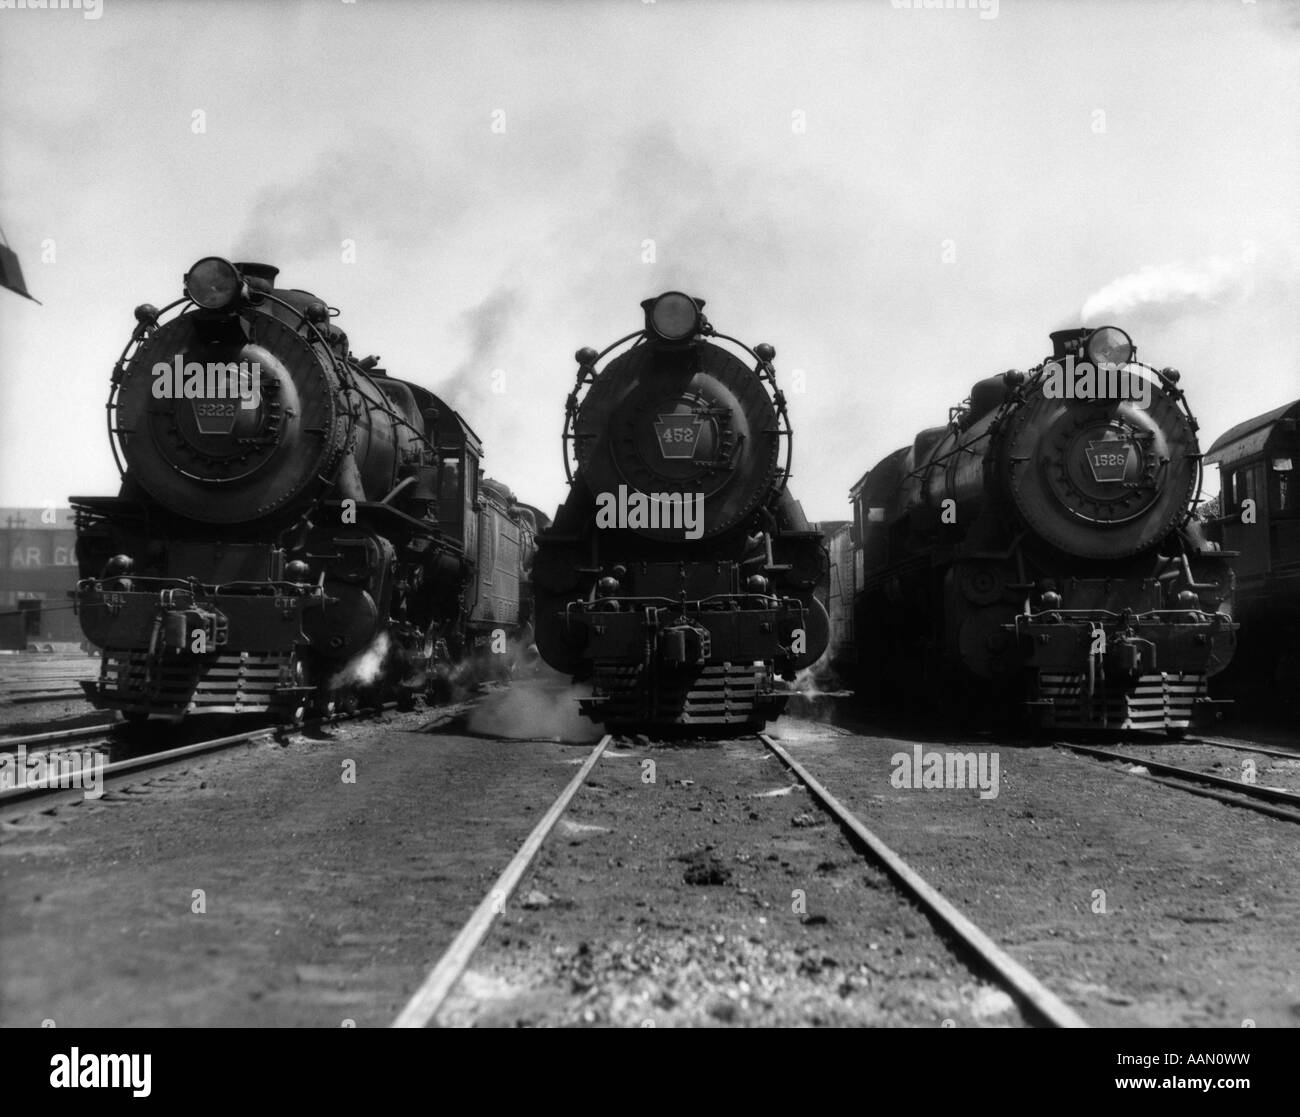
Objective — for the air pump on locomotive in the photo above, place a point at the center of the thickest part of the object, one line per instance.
(292, 521)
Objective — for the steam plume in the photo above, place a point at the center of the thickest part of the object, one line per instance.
(541, 710)
(364, 667)
(1163, 292)
(488, 325)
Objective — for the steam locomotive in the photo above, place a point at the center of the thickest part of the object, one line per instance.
(294, 527)
(678, 576)
(1039, 552)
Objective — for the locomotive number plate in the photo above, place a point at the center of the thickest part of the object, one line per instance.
(678, 435)
(1109, 459)
(215, 416)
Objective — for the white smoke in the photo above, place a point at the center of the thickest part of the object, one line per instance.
(1166, 291)
(364, 667)
(544, 708)
(817, 681)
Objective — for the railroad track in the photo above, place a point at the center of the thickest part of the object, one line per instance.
(97, 737)
(1243, 746)
(46, 794)
(40, 686)
(40, 678)
(1270, 801)
(56, 737)
(1038, 1002)
(18, 698)
(35, 680)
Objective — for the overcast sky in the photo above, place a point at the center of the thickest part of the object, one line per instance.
(902, 202)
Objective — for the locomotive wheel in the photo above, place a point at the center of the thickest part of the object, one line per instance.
(317, 704)
(292, 718)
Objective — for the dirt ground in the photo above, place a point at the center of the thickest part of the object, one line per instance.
(716, 893)
(1210, 757)
(689, 884)
(25, 672)
(322, 900)
(1139, 904)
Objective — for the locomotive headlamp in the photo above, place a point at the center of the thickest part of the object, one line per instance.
(1109, 345)
(673, 316)
(213, 283)
(117, 566)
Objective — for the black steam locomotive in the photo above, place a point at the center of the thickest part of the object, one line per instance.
(1040, 548)
(294, 526)
(679, 574)
(1259, 519)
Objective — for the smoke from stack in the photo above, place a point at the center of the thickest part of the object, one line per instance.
(489, 326)
(1159, 293)
(370, 192)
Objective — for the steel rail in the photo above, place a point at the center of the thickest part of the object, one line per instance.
(21, 697)
(1026, 988)
(1242, 746)
(428, 999)
(48, 787)
(74, 734)
(1232, 792)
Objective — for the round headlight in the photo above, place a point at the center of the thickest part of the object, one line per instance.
(117, 566)
(213, 283)
(674, 316)
(1109, 345)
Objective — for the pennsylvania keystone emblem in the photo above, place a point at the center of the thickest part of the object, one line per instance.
(678, 435)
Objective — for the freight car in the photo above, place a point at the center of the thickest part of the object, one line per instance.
(678, 578)
(1039, 552)
(1259, 506)
(294, 527)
